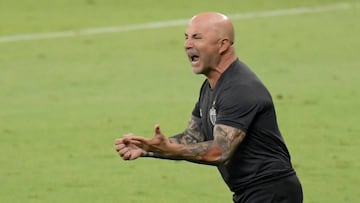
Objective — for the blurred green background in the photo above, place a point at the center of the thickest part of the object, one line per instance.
(64, 100)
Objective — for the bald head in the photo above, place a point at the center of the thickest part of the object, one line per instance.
(209, 39)
(220, 24)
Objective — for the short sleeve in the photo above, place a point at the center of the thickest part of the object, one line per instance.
(196, 110)
(238, 110)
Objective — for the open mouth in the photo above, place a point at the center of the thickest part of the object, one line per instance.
(194, 58)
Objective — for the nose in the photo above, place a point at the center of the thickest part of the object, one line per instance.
(188, 44)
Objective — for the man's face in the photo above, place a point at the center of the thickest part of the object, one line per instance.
(202, 47)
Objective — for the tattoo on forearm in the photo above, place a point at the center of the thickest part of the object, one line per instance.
(191, 135)
(193, 147)
(200, 148)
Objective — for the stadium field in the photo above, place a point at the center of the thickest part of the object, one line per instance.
(75, 75)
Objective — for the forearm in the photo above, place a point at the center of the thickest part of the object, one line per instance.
(160, 156)
(202, 153)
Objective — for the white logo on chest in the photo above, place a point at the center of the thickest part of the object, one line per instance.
(212, 114)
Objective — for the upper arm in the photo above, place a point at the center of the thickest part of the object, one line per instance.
(192, 133)
(227, 138)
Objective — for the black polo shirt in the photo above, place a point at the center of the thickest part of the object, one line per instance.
(240, 100)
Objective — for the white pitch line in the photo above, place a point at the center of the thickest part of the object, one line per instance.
(172, 23)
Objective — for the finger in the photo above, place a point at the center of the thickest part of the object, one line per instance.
(137, 138)
(127, 139)
(134, 156)
(119, 147)
(119, 141)
(123, 139)
(139, 144)
(128, 135)
(136, 142)
(157, 129)
(127, 155)
(123, 151)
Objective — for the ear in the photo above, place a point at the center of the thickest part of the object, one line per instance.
(224, 44)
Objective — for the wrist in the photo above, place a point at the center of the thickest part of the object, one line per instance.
(148, 154)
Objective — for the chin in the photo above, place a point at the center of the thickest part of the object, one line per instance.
(197, 70)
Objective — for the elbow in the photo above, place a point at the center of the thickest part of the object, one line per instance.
(223, 160)
(216, 156)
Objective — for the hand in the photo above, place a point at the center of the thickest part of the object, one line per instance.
(159, 143)
(127, 150)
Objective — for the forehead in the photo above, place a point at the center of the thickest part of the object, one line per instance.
(196, 27)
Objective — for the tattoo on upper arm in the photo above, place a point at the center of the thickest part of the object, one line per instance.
(191, 135)
(227, 138)
(219, 150)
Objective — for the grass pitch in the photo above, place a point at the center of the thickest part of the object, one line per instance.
(63, 101)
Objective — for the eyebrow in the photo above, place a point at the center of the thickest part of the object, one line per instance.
(193, 35)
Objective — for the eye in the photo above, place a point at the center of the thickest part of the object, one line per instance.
(197, 36)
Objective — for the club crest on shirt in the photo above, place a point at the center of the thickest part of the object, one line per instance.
(212, 115)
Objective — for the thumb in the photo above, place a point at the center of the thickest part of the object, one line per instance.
(157, 129)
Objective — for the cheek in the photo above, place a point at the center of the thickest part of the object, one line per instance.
(211, 48)
(210, 54)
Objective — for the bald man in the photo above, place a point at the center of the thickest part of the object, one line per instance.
(233, 124)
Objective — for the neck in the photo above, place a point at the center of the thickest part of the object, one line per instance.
(214, 75)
